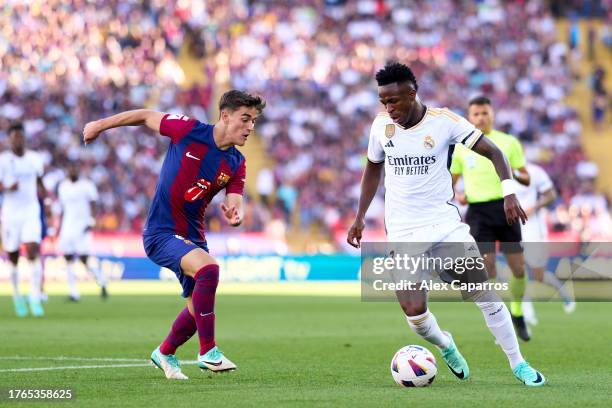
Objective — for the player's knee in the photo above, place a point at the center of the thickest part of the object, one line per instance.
(482, 297)
(14, 257)
(538, 274)
(518, 270)
(196, 260)
(83, 259)
(32, 251)
(516, 262)
(413, 308)
(68, 258)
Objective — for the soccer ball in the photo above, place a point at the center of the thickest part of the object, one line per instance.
(413, 366)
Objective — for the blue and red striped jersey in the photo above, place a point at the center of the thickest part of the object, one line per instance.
(193, 172)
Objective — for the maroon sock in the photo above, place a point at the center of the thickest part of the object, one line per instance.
(203, 297)
(182, 329)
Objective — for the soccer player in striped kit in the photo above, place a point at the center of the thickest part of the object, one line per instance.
(201, 161)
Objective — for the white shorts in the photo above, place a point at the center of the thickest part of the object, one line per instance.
(535, 247)
(21, 230)
(76, 244)
(532, 232)
(455, 231)
(536, 254)
(450, 240)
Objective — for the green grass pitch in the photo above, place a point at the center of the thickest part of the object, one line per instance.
(298, 351)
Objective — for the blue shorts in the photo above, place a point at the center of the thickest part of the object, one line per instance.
(167, 249)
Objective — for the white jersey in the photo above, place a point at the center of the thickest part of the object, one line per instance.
(75, 199)
(535, 229)
(418, 182)
(23, 170)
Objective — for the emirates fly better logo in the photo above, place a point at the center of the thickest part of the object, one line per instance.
(411, 165)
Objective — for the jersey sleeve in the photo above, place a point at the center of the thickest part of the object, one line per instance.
(463, 132)
(542, 182)
(176, 126)
(92, 192)
(516, 156)
(376, 154)
(38, 164)
(60, 194)
(236, 183)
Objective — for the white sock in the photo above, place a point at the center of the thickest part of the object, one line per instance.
(426, 326)
(551, 280)
(498, 320)
(72, 281)
(36, 280)
(14, 280)
(97, 272)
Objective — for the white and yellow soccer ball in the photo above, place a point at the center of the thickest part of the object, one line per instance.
(413, 366)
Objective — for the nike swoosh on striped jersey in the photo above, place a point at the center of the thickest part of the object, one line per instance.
(190, 156)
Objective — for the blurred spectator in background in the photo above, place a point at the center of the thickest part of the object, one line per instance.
(265, 185)
(63, 63)
(600, 97)
(588, 199)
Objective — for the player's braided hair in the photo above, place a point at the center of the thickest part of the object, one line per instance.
(396, 72)
(234, 99)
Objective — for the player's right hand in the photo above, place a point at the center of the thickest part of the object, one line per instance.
(514, 211)
(91, 131)
(13, 187)
(461, 198)
(355, 232)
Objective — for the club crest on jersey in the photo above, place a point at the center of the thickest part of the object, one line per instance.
(428, 142)
(223, 179)
(390, 130)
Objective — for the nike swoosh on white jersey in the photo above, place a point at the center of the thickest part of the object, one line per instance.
(191, 157)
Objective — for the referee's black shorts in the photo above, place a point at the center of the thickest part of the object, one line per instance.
(488, 224)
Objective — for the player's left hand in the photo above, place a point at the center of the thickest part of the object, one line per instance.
(91, 132)
(514, 211)
(355, 233)
(91, 224)
(231, 214)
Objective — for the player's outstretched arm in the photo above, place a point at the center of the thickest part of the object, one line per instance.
(232, 209)
(512, 207)
(12, 187)
(137, 117)
(546, 198)
(522, 176)
(369, 185)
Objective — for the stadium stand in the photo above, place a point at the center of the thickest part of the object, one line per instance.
(316, 73)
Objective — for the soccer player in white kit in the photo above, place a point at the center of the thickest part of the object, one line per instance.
(540, 193)
(414, 144)
(77, 197)
(21, 172)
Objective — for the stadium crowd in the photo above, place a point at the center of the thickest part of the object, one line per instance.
(318, 131)
(314, 64)
(68, 62)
